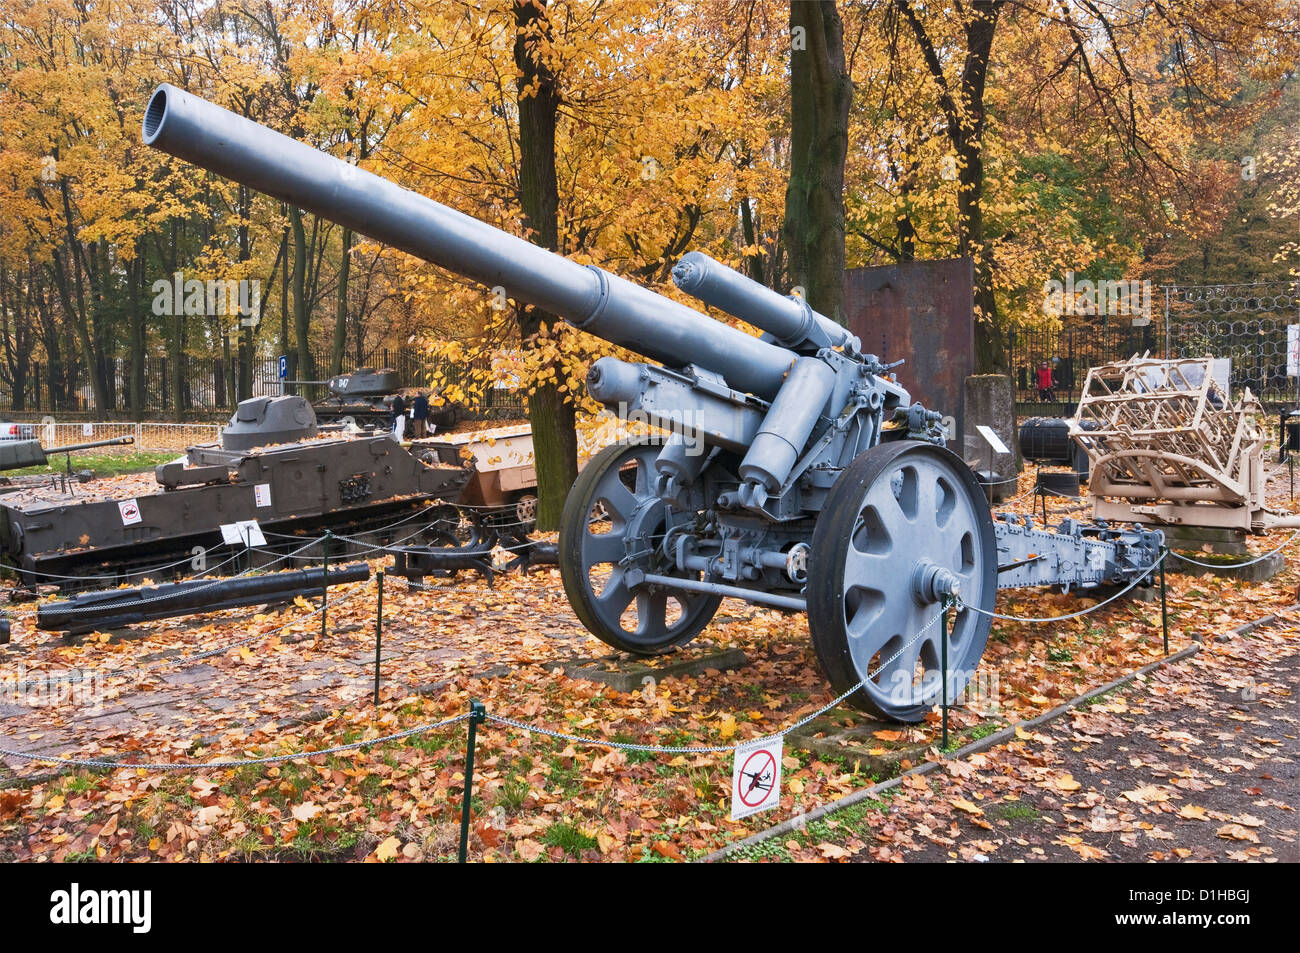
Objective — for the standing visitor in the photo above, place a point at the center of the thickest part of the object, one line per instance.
(420, 417)
(399, 417)
(1045, 382)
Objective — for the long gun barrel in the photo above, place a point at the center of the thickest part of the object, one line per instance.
(110, 442)
(590, 298)
(17, 454)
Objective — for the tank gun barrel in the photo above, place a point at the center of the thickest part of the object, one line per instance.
(111, 442)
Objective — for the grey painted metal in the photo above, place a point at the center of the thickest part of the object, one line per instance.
(791, 321)
(287, 487)
(16, 454)
(905, 528)
(789, 462)
(259, 421)
(604, 304)
(679, 402)
(802, 402)
(611, 536)
(793, 603)
(1071, 554)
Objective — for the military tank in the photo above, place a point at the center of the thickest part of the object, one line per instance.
(365, 398)
(274, 465)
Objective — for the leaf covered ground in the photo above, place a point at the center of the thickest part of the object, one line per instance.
(273, 684)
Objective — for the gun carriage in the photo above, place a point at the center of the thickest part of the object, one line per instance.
(798, 474)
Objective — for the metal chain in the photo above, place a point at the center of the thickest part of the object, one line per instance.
(1072, 615)
(1257, 559)
(241, 763)
(118, 575)
(712, 749)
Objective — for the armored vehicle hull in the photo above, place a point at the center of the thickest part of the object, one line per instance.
(296, 489)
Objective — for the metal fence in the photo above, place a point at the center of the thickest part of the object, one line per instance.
(208, 386)
(148, 434)
(1246, 324)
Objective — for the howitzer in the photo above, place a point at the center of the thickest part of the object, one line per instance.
(798, 474)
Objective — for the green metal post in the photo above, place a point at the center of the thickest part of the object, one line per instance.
(477, 713)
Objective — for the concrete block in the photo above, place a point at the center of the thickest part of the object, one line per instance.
(990, 402)
(629, 674)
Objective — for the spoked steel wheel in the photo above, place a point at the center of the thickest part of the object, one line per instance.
(613, 521)
(904, 524)
(526, 512)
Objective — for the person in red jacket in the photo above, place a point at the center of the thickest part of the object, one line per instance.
(1045, 382)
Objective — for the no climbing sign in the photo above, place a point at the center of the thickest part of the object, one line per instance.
(756, 777)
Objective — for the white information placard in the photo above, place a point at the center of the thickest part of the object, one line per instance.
(992, 439)
(130, 511)
(242, 533)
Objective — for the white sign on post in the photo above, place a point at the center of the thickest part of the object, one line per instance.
(756, 777)
(992, 439)
(242, 533)
(1293, 350)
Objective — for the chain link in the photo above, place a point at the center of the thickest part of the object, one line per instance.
(712, 749)
(1257, 559)
(240, 763)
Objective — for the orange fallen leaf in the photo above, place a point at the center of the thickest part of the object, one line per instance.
(388, 849)
(833, 851)
(1066, 782)
(1237, 832)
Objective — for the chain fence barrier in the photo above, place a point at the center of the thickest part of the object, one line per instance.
(1226, 565)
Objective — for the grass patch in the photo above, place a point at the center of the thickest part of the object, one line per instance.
(983, 731)
(1016, 811)
(512, 794)
(633, 757)
(103, 464)
(569, 838)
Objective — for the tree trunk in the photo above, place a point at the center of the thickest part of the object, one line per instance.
(136, 332)
(964, 116)
(555, 442)
(301, 312)
(990, 352)
(820, 94)
(341, 313)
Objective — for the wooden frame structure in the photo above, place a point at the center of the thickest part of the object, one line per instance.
(1171, 447)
